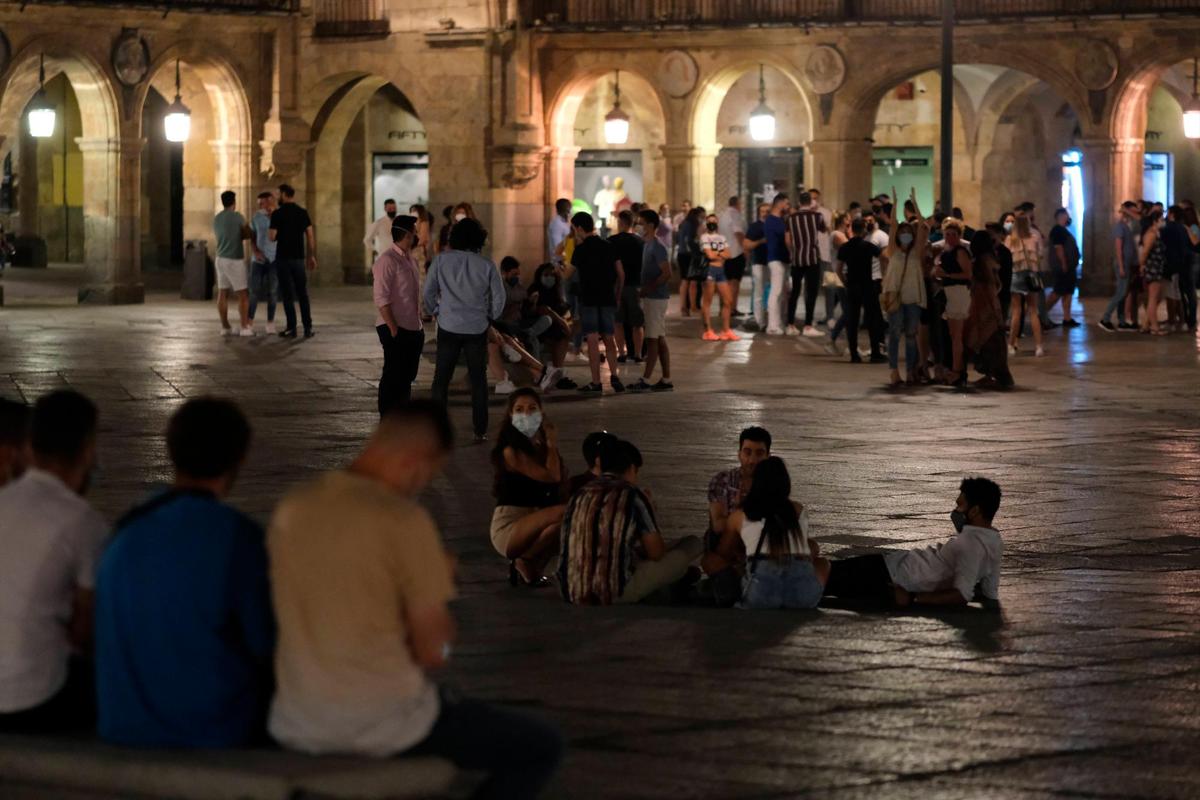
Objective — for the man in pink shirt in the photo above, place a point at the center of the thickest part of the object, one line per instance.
(397, 297)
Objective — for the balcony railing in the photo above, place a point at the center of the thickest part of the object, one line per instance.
(219, 6)
(649, 13)
(350, 18)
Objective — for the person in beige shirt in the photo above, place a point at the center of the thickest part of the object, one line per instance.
(360, 582)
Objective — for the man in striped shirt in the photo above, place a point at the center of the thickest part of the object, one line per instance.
(804, 228)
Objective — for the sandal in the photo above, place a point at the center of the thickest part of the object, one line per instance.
(515, 578)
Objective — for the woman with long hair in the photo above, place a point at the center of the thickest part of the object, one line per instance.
(1026, 249)
(953, 269)
(692, 266)
(715, 250)
(530, 487)
(783, 565)
(1154, 262)
(984, 335)
(835, 291)
(904, 298)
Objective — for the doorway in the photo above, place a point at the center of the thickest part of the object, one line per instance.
(1072, 195)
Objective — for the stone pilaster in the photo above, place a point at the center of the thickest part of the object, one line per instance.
(840, 168)
(691, 174)
(111, 204)
(1112, 174)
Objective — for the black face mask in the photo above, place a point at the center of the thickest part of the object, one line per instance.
(391, 214)
(712, 227)
(959, 519)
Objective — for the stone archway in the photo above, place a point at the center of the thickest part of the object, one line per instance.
(109, 276)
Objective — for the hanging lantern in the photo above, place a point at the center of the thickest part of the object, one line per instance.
(177, 124)
(616, 122)
(1191, 115)
(762, 118)
(42, 115)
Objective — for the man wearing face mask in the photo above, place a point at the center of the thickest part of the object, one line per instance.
(379, 232)
(397, 290)
(948, 574)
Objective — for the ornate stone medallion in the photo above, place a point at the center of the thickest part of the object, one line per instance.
(131, 58)
(1096, 65)
(825, 69)
(678, 73)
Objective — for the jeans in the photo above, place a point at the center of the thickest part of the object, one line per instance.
(861, 297)
(264, 285)
(781, 584)
(906, 320)
(1117, 303)
(758, 298)
(449, 347)
(401, 358)
(833, 296)
(519, 752)
(811, 276)
(293, 286)
(775, 299)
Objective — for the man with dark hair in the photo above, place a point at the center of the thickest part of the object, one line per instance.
(601, 282)
(558, 230)
(51, 542)
(655, 293)
(1178, 245)
(630, 320)
(612, 550)
(361, 583)
(591, 456)
(264, 279)
(231, 231)
(292, 230)
(396, 283)
(728, 487)
(775, 234)
(1125, 232)
(805, 226)
(464, 292)
(379, 232)
(14, 440)
(1064, 263)
(199, 676)
(952, 573)
(855, 261)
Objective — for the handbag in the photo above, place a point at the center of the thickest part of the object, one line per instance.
(1034, 276)
(830, 280)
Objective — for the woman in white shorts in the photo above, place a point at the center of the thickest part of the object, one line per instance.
(954, 271)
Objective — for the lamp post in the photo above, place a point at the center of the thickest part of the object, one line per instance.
(762, 118)
(947, 119)
(616, 121)
(41, 113)
(1191, 115)
(177, 124)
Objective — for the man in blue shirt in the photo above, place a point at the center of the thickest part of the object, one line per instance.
(264, 281)
(184, 629)
(775, 230)
(464, 291)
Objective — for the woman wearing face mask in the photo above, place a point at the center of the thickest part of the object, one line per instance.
(1000, 231)
(1026, 247)
(530, 487)
(546, 298)
(954, 271)
(904, 296)
(715, 251)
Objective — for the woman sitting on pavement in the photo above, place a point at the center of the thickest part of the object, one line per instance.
(546, 297)
(530, 483)
(783, 566)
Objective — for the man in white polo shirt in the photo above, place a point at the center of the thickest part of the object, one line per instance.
(50, 541)
(947, 574)
(231, 231)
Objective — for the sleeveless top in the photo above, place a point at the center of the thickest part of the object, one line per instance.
(752, 532)
(1156, 260)
(515, 489)
(950, 266)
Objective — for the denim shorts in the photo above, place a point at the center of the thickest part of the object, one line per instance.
(717, 274)
(598, 319)
(781, 584)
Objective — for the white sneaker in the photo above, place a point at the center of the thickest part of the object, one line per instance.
(792, 330)
(511, 354)
(1039, 353)
(505, 387)
(811, 332)
(269, 329)
(550, 379)
(1012, 351)
(774, 332)
(227, 331)
(247, 332)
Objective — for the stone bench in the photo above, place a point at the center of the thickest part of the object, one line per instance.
(32, 768)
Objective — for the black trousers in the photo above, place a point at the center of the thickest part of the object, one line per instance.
(861, 297)
(1187, 293)
(519, 753)
(811, 276)
(71, 710)
(860, 577)
(401, 358)
(293, 287)
(450, 346)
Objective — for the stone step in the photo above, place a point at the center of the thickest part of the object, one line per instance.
(55, 767)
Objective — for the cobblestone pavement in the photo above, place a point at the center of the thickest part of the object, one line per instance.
(1087, 685)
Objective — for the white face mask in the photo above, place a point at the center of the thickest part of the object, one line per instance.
(459, 217)
(905, 239)
(1008, 227)
(528, 424)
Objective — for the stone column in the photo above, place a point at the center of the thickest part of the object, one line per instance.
(1112, 174)
(27, 185)
(111, 206)
(560, 173)
(691, 174)
(840, 168)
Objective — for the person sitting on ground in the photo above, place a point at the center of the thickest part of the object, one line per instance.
(360, 582)
(546, 299)
(500, 348)
(517, 319)
(591, 457)
(14, 440)
(50, 541)
(531, 482)
(783, 565)
(943, 575)
(612, 549)
(728, 487)
(200, 675)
